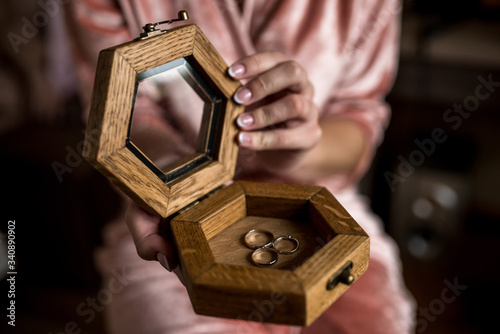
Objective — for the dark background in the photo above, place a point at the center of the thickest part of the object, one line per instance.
(444, 215)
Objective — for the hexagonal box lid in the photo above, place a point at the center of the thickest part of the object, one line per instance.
(109, 146)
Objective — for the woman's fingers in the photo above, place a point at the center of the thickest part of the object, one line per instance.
(281, 115)
(270, 73)
(298, 138)
(294, 118)
(145, 231)
(255, 64)
(290, 108)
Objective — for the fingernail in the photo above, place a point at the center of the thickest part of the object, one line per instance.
(163, 261)
(244, 138)
(237, 70)
(243, 96)
(245, 120)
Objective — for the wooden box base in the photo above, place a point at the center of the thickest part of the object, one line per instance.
(220, 276)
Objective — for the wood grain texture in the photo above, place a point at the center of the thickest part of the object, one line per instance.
(228, 246)
(314, 273)
(254, 294)
(111, 106)
(195, 257)
(193, 185)
(227, 151)
(155, 51)
(278, 200)
(110, 116)
(325, 205)
(279, 190)
(217, 212)
(135, 179)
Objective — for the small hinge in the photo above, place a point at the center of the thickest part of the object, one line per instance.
(189, 206)
(149, 34)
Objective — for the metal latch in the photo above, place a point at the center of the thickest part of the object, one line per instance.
(343, 275)
(150, 28)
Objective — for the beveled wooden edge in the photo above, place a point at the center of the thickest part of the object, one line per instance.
(196, 184)
(334, 214)
(246, 290)
(221, 210)
(193, 261)
(315, 273)
(227, 153)
(279, 190)
(113, 93)
(110, 116)
(155, 51)
(131, 175)
(278, 200)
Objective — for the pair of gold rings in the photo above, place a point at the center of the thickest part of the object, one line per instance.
(266, 247)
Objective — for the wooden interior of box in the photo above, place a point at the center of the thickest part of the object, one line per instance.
(228, 247)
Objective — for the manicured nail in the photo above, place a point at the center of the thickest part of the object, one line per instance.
(244, 138)
(237, 70)
(163, 261)
(243, 96)
(245, 120)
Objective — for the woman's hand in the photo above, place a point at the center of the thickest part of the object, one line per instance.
(151, 242)
(281, 122)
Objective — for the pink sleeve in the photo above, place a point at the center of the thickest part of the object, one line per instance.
(371, 50)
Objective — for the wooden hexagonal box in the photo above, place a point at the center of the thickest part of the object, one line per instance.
(314, 249)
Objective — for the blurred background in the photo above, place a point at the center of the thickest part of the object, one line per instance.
(434, 181)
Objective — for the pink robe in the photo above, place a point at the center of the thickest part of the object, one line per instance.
(349, 49)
